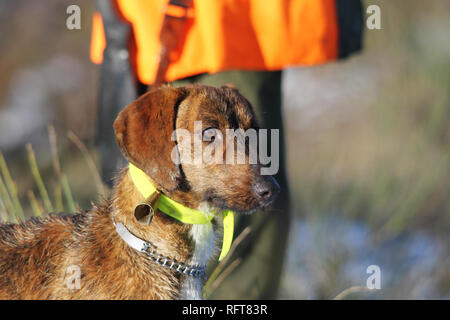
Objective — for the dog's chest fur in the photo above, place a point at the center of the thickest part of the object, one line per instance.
(205, 240)
(203, 237)
(190, 244)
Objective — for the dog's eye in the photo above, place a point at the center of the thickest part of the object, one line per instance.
(211, 134)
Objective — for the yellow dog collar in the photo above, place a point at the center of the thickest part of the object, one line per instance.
(181, 213)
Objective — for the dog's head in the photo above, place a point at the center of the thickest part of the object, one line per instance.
(181, 138)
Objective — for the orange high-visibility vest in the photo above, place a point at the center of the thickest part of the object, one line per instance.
(231, 34)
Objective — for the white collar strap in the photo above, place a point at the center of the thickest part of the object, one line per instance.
(147, 248)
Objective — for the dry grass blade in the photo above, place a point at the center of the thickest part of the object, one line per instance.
(215, 274)
(38, 179)
(54, 150)
(57, 193)
(236, 243)
(68, 194)
(12, 188)
(350, 291)
(56, 167)
(4, 215)
(7, 201)
(90, 162)
(222, 277)
(38, 211)
(63, 181)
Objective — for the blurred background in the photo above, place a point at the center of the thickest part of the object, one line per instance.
(368, 143)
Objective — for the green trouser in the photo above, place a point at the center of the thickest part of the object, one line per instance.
(261, 254)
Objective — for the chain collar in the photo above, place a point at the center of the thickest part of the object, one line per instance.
(149, 250)
(195, 271)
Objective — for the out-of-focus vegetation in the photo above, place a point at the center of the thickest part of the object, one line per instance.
(47, 79)
(385, 157)
(368, 146)
(370, 166)
(61, 200)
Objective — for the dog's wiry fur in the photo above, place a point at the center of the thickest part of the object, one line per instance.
(35, 255)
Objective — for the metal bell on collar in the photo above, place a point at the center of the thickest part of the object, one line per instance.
(145, 211)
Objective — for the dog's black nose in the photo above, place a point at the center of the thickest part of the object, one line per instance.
(266, 189)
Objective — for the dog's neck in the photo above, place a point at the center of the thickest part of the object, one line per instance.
(168, 235)
(192, 244)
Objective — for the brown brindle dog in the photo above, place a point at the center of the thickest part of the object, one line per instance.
(35, 256)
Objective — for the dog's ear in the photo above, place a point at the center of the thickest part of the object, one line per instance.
(143, 131)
